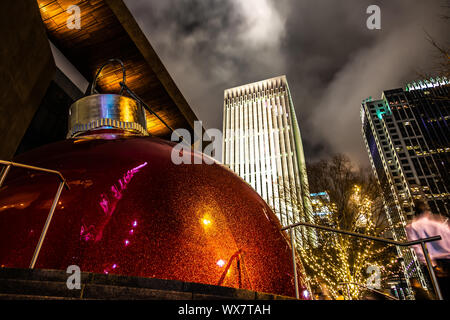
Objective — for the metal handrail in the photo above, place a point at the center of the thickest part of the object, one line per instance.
(422, 243)
(62, 184)
(367, 288)
(237, 256)
(10, 164)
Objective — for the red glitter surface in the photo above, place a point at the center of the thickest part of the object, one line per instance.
(131, 211)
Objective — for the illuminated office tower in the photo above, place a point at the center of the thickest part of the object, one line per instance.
(407, 138)
(262, 144)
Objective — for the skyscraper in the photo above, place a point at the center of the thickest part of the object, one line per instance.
(407, 137)
(262, 144)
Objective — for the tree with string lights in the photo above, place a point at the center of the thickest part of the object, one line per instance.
(355, 204)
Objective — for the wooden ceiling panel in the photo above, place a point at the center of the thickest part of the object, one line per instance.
(108, 30)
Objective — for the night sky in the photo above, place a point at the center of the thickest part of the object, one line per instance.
(331, 60)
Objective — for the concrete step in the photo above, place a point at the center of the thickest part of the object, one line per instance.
(51, 284)
(37, 288)
(7, 296)
(94, 291)
(55, 289)
(39, 274)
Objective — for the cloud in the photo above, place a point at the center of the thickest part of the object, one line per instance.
(369, 72)
(388, 62)
(332, 61)
(211, 45)
(263, 26)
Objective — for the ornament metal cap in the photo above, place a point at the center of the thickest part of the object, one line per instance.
(106, 111)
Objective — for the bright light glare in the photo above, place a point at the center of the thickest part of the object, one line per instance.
(221, 263)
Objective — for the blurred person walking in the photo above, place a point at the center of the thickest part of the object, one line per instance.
(426, 224)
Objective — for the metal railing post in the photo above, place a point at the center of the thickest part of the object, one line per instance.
(436, 287)
(294, 264)
(4, 174)
(62, 184)
(46, 225)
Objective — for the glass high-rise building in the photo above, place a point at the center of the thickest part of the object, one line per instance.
(407, 138)
(262, 144)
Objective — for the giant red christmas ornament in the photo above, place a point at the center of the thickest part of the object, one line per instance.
(130, 210)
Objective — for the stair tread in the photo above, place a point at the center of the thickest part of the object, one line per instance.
(51, 285)
(35, 288)
(11, 296)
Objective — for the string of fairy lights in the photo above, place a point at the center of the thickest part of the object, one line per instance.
(343, 259)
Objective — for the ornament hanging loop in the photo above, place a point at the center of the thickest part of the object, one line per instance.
(110, 61)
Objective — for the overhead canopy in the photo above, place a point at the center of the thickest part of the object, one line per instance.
(108, 30)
